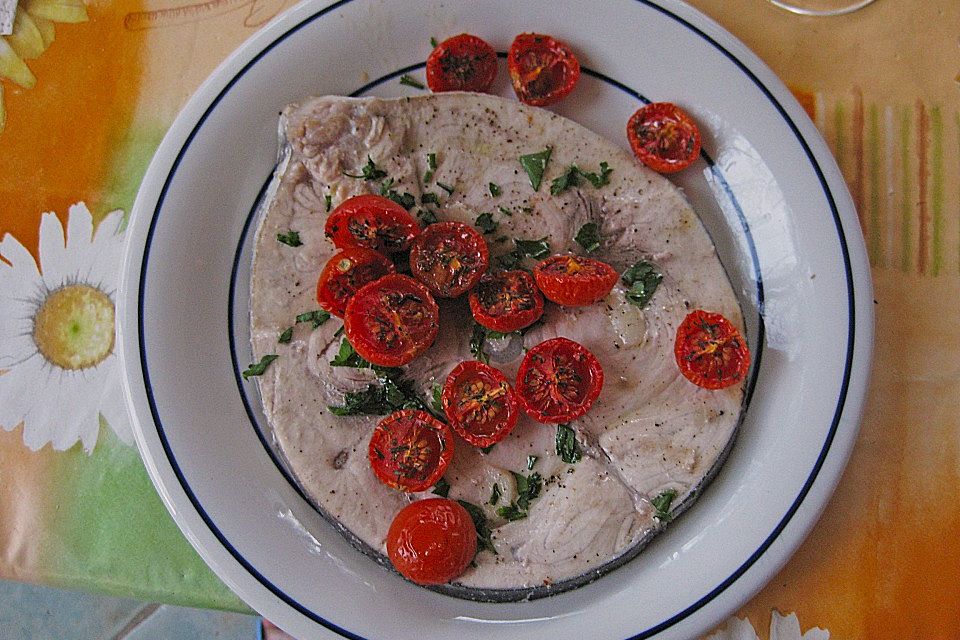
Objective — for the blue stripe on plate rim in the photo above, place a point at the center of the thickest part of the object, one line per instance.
(848, 357)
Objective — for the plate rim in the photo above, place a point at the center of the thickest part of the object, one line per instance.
(860, 316)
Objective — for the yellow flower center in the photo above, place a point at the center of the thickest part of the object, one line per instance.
(73, 328)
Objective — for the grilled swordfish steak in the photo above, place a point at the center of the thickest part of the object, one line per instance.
(651, 435)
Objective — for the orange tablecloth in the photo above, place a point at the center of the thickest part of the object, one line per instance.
(103, 81)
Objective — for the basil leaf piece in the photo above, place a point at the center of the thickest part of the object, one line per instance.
(531, 460)
(495, 494)
(505, 211)
(347, 357)
(317, 317)
(495, 189)
(488, 449)
(476, 343)
(429, 198)
(484, 541)
(328, 200)
(370, 171)
(427, 216)
(405, 199)
(260, 367)
(535, 164)
(569, 178)
(433, 42)
(511, 512)
(291, 238)
(486, 223)
(536, 249)
(588, 237)
(662, 504)
(286, 336)
(567, 447)
(601, 179)
(437, 400)
(643, 279)
(528, 488)
(446, 188)
(442, 488)
(410, 81)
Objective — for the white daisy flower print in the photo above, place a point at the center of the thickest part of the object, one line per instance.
(58, 371)
(781, 628)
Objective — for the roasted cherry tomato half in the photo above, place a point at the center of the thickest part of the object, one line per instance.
(710, 351)
(345, 273)
(480, 404)
(664, 137)
(558, 381)
(449, 257)
(410, 450)
(373, 222)
(543, 69)
(506, 301)
(574, 281)
(432, 541)
(462, 63)
(392, 320)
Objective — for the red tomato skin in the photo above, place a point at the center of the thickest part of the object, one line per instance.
(358, 222)
(462, 63)
(575, 354)
(473, 370)
(432, 541)
(518, 285)
(543, 70)
(345, 273)
(427, 249)
(574, 281)
(390, 431)
(363, 307)
(646, 128)
(693, 335)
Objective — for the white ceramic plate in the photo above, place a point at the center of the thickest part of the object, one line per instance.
(767, 189)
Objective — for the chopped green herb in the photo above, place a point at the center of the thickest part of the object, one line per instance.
(536, 249)
(410, 81)
(433, 42)
(571, 178)
(662, 504)
(531, 460)
(505, 211)
(442, 488)
(495, 189)
(258, 368)
(535, 164)
(510, 260)
(588, 237)
(370, 171)
(484, 541)
(497, 335)
(567, 447)
(488, 449)
(476, 343)
(429, 198)
(338, 332)
(391, 394)
(286, 336)
(437, 399)
(347, 357)
(405, 200)
(528, 488)
(495, 494)
(486, 223)
(501, 239)
(328, 200)
(427, 216)
(317, 317)
(512, 512)
(445, 187)
(643, 279)
(432, 164)
(601, 179)
(291, 238)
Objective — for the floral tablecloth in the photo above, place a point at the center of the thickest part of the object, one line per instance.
(87, 91)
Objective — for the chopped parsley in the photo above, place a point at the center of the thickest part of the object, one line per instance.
(370, 171)
(662, 504)
(328, 200)
(588, 237)
(571, 178)
(405, 200)
(484, 541)
(285, 336)
(486, 223)
(495, 494)
(528, 488)
(535, 164)
(505, 211)
(259, 368)
(643, 279)
(410, 81)
(567, 447)
(291, 238)
(427, 216)
(442, 488)
(347, 357)
(445, 187)
(429, 198)
(531, 460)
(317, 317)
(432, 164)
(536, 249)
(495, 189)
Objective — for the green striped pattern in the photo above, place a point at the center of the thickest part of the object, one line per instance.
(902, 165)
